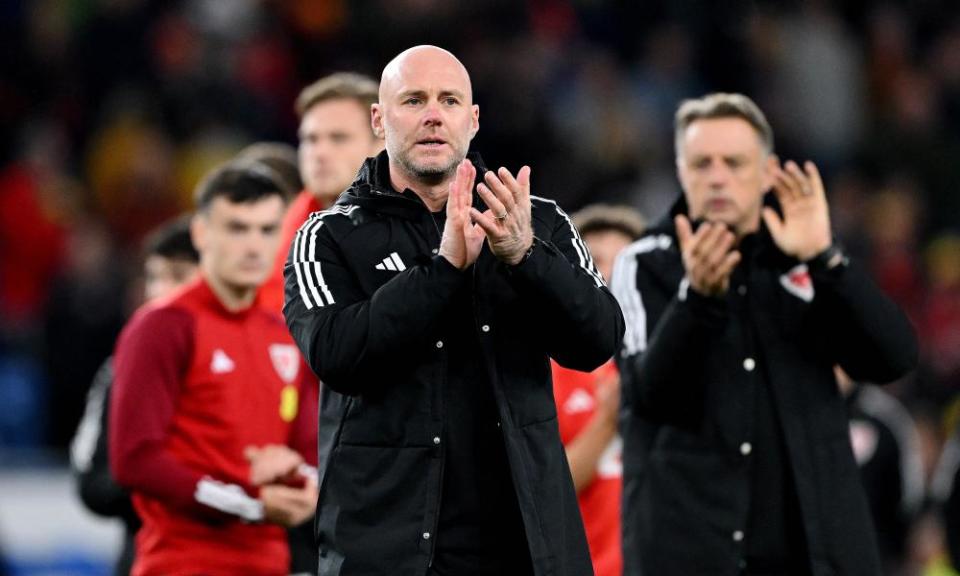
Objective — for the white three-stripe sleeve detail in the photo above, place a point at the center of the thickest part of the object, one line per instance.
(307, 246)
(316, 265)
(307, 266)
(625, 289)
(624, 285)
(301, 285)
(586, 260)
(296, 268)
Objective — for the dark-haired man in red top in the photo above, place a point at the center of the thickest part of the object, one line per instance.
(206, 400)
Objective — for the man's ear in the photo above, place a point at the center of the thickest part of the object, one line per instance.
(378, 142)
(376, 120)
(680, 174)
(770, 167)
(475, 121)
(198, 231)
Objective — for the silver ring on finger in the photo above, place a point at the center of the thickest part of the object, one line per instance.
(502, 216)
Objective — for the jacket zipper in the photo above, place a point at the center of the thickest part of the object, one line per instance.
(436, 518)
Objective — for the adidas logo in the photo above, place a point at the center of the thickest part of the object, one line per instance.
(579, 401)
(221, 363)
(392, 262)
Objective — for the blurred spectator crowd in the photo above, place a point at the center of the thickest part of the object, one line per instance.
(112, 109)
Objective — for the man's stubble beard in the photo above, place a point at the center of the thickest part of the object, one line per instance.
(430, 174)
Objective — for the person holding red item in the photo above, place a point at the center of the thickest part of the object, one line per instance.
(205, 399)
(588, 404)
(335, 138)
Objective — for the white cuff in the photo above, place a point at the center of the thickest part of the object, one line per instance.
(228, 498)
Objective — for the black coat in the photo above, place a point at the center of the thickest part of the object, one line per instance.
(96, 486)
(366, 302)
(688, 399)
(890, 467)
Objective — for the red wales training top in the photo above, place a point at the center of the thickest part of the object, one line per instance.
(195, 384)
(576, 396)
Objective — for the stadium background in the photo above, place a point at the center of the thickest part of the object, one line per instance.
(110, 111)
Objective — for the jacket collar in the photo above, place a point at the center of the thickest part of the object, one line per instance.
(762, 239)
(372, 190)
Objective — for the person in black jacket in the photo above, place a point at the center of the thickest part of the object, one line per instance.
(431, 312)
(170, 261)
(889, 453)
(737, 458)
(945, 496)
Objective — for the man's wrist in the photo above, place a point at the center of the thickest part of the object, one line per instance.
(686, 287)
(526, 255)
(828, 259)
(450, 261)
(706, 308)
